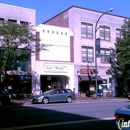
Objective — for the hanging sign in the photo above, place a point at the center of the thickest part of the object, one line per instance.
(98, 47)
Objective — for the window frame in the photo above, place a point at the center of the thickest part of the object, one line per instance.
(120, 33)
(87, 33)
(87, 54)
(103, 31)
(106, 61)
(12, 21)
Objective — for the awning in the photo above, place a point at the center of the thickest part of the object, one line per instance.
(15, 72)
(86, 78)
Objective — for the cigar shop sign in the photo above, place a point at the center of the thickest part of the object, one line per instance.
(55, 68)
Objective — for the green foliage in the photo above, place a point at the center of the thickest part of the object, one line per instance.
(89, 93)
(120, 55)
(18, 42)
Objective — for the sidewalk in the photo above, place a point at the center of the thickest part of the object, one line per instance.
(79, 98)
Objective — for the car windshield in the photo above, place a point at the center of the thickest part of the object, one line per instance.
(48, 91)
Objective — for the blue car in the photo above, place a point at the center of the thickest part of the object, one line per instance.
(55, 95)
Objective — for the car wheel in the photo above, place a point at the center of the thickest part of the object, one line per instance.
(45, 100)
(1, 103)
(69, 99)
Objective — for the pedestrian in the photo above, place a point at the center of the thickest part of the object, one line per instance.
(100, 91)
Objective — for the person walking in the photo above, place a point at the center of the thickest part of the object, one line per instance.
(100, 90)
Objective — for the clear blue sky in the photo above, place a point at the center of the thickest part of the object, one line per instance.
(46, 9)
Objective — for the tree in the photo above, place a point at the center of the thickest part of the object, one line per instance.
(17, 43)
(120, 56)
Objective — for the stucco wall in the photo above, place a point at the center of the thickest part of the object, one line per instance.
(76, 16)
(17, 13)
(57, 41)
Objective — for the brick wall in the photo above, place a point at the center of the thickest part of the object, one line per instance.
(60, 20)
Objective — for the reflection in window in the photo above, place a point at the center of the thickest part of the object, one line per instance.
(87, 54)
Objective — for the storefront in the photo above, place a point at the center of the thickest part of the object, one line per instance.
(20, 82)
(53, 75)
(85, 78)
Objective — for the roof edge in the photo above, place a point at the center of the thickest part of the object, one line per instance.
(84, 9)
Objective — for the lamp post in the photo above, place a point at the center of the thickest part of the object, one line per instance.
(110, 10)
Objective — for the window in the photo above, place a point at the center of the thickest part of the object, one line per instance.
(87, 30)
(87, 54)
(68, 91)
(118, 33)
(105, 33)
(61, 91)
(55, 92)
(1, 21)
(12, 21)
(105, 55)
(22, 22)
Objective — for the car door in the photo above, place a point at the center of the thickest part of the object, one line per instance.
(62, 95)
(54, 96)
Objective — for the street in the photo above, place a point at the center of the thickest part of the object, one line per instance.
(61, 116)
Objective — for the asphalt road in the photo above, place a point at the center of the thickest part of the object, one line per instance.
(61, 116)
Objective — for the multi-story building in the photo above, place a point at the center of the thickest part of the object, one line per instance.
(19, 15)
(82, 22)
(54, 64)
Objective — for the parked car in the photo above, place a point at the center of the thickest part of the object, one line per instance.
(55, 95)
(4, 98)
(122, 116)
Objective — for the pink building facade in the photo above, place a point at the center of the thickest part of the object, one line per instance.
(82, 22)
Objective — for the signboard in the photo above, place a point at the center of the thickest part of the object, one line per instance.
(87, 71)
(98, 47)
(55, 68)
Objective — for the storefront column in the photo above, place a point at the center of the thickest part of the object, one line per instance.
(36, 89)
(76, 84)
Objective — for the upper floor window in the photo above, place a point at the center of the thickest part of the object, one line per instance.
(86, 30)
(105, 33)
(12, 21)
(87, 54)
(1, 21)
(118, 33)
(105, 55)
(23, 22)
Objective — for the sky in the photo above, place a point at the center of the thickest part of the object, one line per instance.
(46, 9)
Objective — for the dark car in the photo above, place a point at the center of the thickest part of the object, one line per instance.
(4, 98)
(122, 116)
(55, 95)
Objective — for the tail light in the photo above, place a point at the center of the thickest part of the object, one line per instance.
(117, 117)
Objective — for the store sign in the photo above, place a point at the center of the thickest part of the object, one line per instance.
(87, 71)
(55, 68)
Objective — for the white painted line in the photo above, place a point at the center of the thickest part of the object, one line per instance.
(58, 123)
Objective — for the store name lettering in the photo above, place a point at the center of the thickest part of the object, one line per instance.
(56, 68)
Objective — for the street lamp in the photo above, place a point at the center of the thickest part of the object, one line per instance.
(110, 10)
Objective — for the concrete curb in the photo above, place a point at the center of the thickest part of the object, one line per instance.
(28, 101)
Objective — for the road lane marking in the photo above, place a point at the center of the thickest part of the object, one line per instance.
(58, 123)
